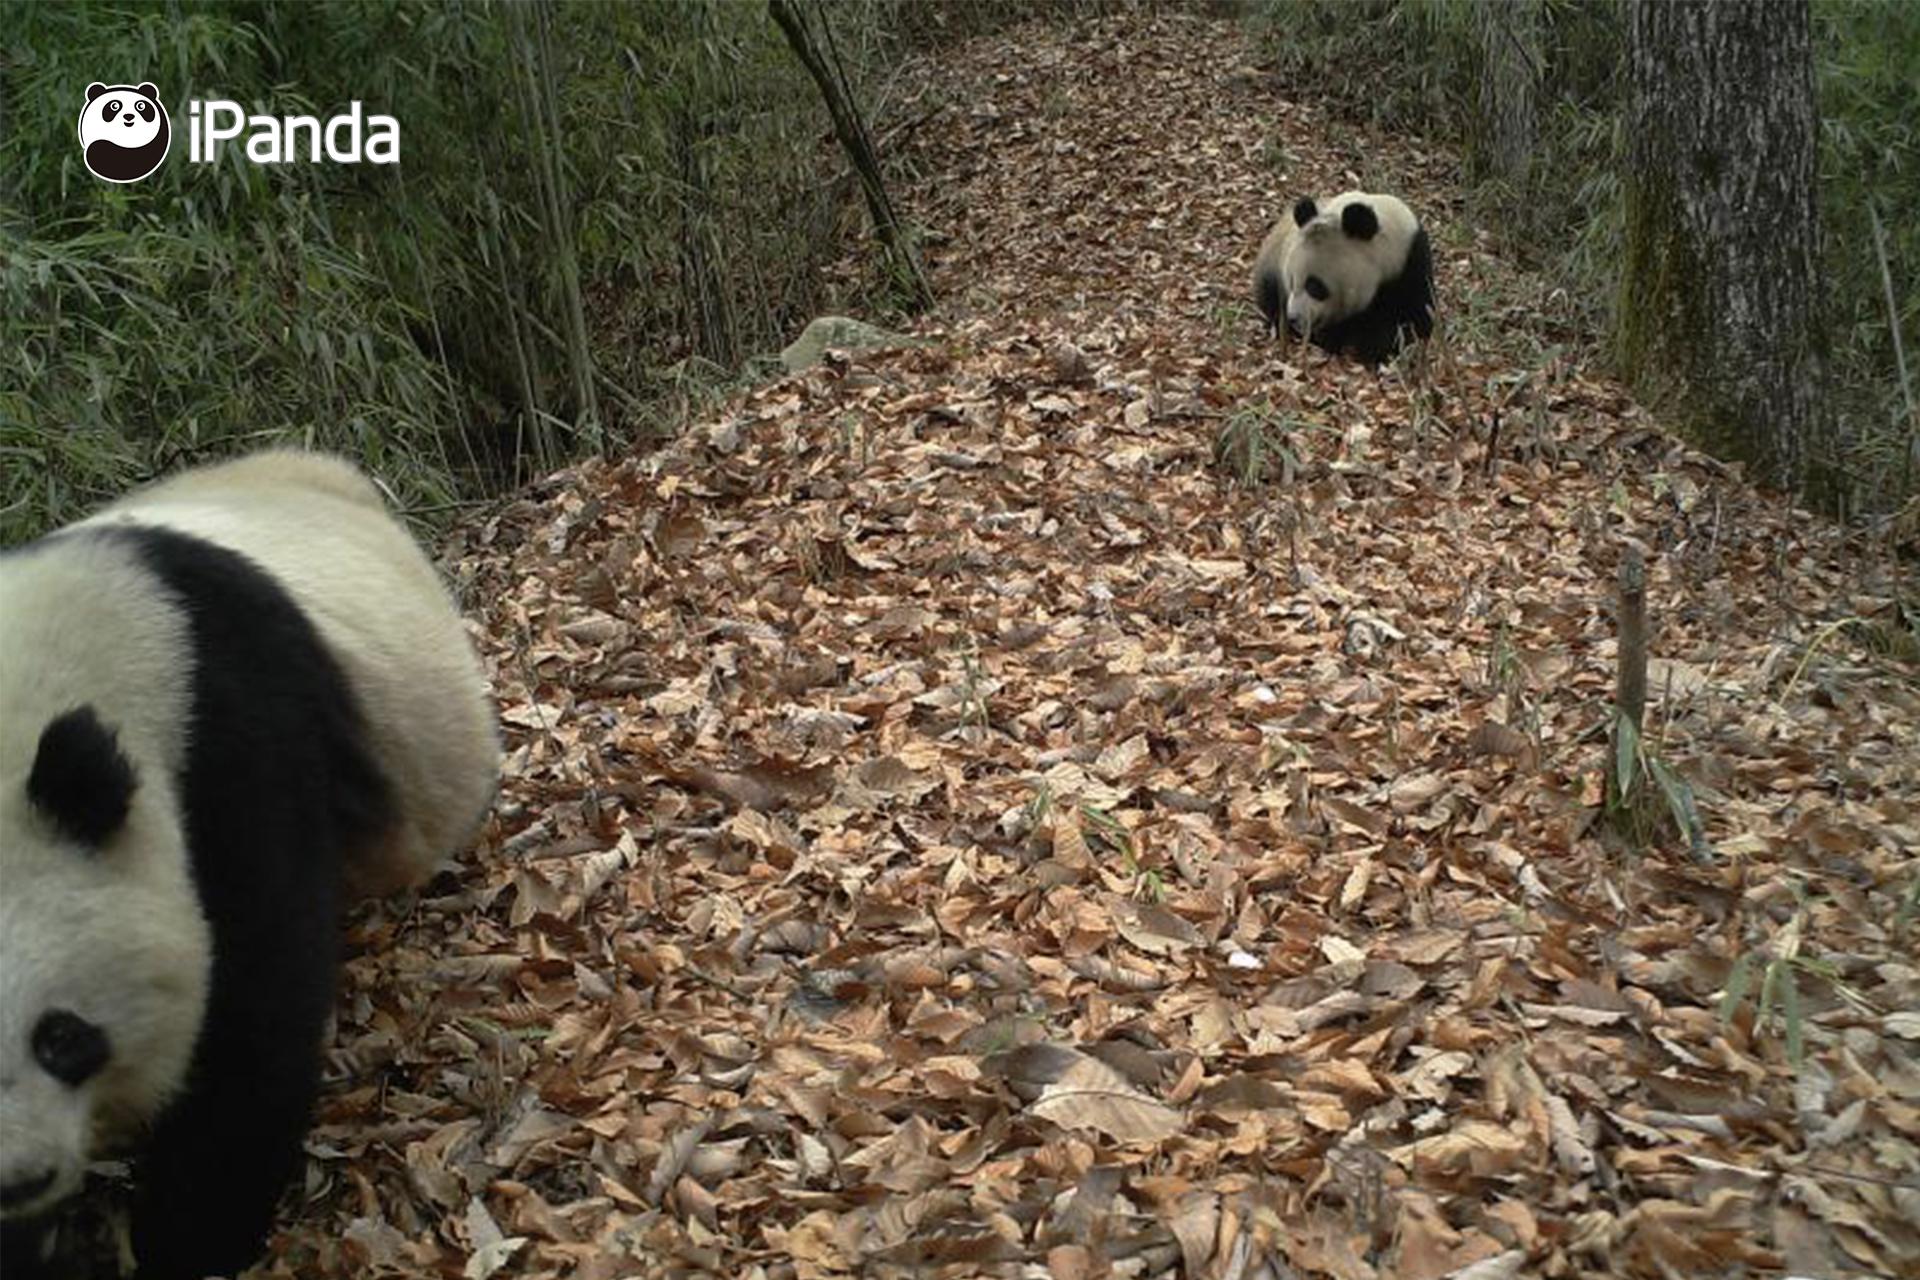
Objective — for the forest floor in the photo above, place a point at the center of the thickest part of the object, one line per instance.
(1102, 794)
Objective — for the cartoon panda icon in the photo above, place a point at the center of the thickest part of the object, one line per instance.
(124, 131)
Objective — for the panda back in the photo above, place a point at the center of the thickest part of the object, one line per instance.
(320, 530)
(1394, 244)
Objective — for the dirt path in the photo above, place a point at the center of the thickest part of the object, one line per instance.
(962, 824)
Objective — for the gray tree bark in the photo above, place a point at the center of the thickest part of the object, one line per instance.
(1720, 317)
(1508, 35)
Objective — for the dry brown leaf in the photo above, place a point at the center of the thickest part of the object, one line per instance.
(1085, 1093)
(1474, 1147)
(1196, 1224)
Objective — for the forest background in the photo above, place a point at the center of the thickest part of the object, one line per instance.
(608, 214)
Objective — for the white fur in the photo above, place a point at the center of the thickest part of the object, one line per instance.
(127, 127)
(116, 934)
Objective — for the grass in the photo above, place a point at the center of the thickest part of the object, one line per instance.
(1255, 447)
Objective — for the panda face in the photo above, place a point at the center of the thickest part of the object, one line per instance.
(102, 959)
(1340, 254)
(1330, 273)
(44, 1109)
(128, 116)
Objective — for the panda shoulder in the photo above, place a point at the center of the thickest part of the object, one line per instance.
(1397, 219)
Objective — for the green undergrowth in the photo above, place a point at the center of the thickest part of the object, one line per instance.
(601, 213)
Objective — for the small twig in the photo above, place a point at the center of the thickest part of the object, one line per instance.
(714, 980)
(1814, 645)
(452, 504)
(886, 140)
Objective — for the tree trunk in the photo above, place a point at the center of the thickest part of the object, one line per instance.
(1508, 35)
(1720, 316)
(852, 132)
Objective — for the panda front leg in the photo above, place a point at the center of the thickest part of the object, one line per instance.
(209, 1189)
(223, 1154)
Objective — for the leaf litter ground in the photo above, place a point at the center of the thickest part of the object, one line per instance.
(1100, 794)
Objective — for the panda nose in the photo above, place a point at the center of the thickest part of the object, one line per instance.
(126, 117)
(24, 1190)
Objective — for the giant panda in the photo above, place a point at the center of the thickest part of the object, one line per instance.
(228, 703)
(1354, 276)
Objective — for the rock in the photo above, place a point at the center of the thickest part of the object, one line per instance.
(841, 333)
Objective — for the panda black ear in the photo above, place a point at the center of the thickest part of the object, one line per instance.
(94, 90)
(150, 89)
(80, 778)
(1304, 211)
(1360, 221)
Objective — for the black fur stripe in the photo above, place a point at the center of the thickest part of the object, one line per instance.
(273, 718)
(280, 783)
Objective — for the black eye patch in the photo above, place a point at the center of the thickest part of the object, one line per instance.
(1317, 289)
(145, 109)
(69, 1048)
(111, 110)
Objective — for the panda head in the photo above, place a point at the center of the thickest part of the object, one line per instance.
(102, 954)
(1340, 254)
(128, 116)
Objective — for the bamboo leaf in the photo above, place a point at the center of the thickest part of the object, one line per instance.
(1626, 747)
(1790, 1011)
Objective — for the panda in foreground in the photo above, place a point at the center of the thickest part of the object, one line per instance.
(228, 703)
(1354, 276)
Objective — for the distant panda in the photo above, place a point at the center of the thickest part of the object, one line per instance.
(1354, 276)
(124, 131)
(228, 702)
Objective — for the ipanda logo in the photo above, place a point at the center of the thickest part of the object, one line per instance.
(125, 132)
(349, 138)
